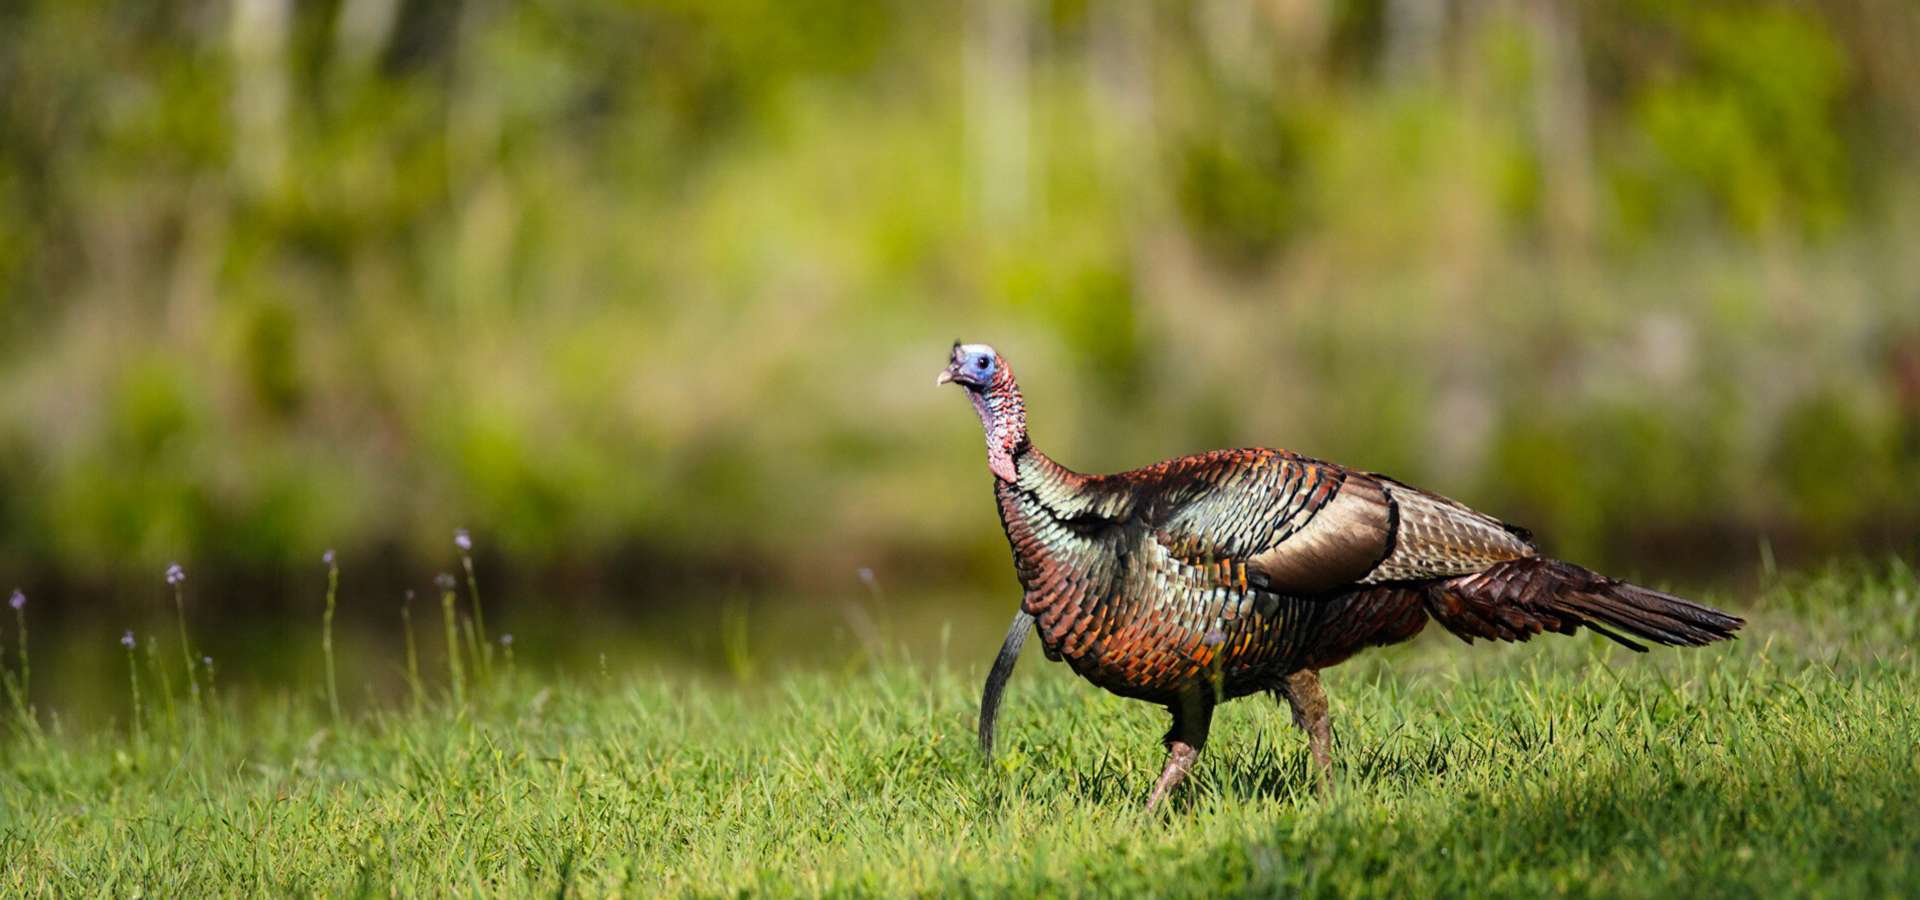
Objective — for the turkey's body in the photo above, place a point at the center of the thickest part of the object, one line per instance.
(1213, 576)
(1135, 612)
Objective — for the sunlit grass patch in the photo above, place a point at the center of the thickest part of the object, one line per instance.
(1783, 762)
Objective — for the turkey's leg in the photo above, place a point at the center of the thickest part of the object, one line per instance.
(1191, 717)
(1309, 704)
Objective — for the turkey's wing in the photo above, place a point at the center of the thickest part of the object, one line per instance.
(1293, 525)
(1300, 527)
(1435, 537)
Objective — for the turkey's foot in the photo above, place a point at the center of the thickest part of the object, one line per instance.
(1180, 757)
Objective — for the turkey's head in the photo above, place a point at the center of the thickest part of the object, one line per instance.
(1003, 415)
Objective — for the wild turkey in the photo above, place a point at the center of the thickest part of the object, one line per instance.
(1210, 577)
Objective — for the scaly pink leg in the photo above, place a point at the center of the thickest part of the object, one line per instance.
(1309, 704)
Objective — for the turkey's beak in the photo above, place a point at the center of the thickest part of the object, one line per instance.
(945, 377)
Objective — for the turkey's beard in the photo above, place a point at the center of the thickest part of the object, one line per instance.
(1004, 419)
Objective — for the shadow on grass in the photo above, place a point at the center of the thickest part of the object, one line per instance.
(1841, 824)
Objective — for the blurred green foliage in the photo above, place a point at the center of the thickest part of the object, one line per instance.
(674, 276)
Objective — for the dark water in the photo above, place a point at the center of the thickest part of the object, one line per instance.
(732, 636)
(80, 668)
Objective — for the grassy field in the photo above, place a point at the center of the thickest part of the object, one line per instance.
(1786, 762)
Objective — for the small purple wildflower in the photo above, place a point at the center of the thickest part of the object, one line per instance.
(18, 599)
(126, 639)
(506, 640)
(463, 540)
(175, 574)
(443, 581)
(207, 661)
(866, 576)
(327, 557)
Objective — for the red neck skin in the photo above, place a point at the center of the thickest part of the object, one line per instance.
(1003, 415)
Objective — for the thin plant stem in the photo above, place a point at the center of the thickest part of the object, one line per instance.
(454, 669)
(485, 655)
(26, 664)
(17, 689)
(186, 648)
(133, 682)
(413, 652)
(27, 722)
(481, 676)
(166, 684)
(326, 640)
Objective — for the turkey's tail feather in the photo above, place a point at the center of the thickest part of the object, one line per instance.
(997, 676)
(1517, 599)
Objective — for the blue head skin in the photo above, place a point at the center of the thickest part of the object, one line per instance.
(973, 365)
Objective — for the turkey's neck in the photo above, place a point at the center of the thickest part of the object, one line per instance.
(1018, 466)
(1034, 492)
(1003, 416)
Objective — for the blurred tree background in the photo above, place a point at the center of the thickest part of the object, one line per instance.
(649, 294)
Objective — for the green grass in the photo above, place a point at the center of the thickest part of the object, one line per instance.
(1784, 763)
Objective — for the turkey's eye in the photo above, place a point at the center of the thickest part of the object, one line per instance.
(980, 363)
